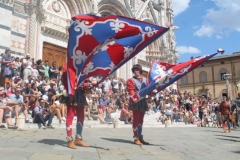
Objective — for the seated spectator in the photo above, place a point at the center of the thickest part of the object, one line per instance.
(87, 108)
(8, 73)
(110, 114)
(126, 115)
(35, 89)
(28, 80)
(162, 117)
(29, 97)
(175, 116)
(18, 105)
(5, 114)
(93, 109)
(42, 115)
(103, 102)
(59, 110)
(16, 81)
(51, 96)
(154, 106)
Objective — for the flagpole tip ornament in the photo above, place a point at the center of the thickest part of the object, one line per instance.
(220, 50)
(138, 67)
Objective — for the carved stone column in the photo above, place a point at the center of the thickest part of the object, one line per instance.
(30, 9)
(36, 16)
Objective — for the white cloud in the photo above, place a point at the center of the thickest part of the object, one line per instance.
(180, 6)
(222, 19)
(218, 37)
(187, 50)
(205, 31)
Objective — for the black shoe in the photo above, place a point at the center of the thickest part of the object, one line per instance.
(26, 121)
(2, 126)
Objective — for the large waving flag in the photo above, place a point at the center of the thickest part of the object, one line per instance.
(100, 45)
(162, 74)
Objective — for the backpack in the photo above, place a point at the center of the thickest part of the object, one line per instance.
(7, 72)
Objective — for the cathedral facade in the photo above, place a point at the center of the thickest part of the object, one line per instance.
(40, 27)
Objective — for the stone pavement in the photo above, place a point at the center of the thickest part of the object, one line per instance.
(173, 143)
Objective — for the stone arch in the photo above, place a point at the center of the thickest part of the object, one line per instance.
(84, 6)
(221, 73)
(110, 7)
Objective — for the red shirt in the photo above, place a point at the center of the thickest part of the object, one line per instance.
(224, 108)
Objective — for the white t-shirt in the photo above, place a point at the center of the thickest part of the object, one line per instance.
(106, 84)
(98, 90)
(34, 73)
(115, 84)
(39, 83)
(89, 100)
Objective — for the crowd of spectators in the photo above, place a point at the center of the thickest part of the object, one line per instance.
(34, 88)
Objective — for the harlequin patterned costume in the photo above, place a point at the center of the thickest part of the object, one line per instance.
(75, 105)
(138, 108)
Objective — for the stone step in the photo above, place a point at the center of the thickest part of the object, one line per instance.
(150, 121)
(121, 125)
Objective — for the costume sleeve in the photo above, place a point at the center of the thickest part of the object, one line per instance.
(131, 86)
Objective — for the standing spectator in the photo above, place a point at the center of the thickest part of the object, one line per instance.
(53, 72)
(5, 60)
(115, 84)
(16, 65)
(34, 71)
(8, 73)
(27, 66)
(106, 85)
(59, 78)
(236, 110)
(46, 68)
(40, 68)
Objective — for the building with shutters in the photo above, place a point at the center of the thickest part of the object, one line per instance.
(208, 79)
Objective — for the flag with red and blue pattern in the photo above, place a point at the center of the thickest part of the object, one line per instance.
(100, 45)
(162, 74)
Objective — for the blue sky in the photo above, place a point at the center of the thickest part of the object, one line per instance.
(205, 26)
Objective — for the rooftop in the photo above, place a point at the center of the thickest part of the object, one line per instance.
(235, 54)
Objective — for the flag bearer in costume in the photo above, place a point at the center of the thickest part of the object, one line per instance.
(75, 105)
(138, 107)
